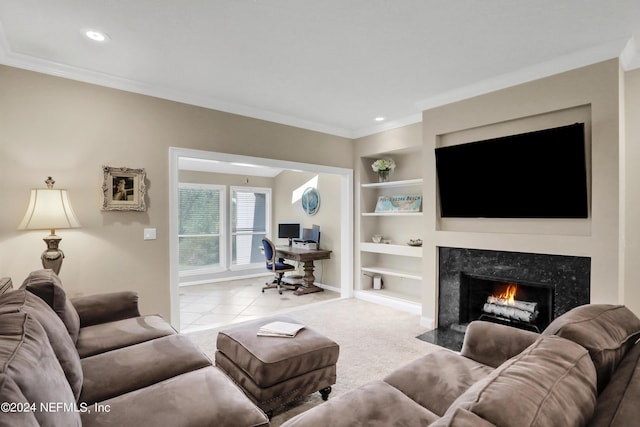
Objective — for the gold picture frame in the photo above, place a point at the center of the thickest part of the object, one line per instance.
(124, 189)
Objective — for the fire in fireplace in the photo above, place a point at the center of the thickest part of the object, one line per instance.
(521, 304)
(503, 306)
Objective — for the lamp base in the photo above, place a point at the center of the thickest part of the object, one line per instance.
(52, 256)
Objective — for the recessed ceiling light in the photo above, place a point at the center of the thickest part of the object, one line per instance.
(379, 119)
(96, 35)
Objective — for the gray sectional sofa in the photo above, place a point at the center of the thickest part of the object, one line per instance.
(583, 370)
(95, 361)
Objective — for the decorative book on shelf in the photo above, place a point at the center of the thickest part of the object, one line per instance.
(399, 204)
(280, 329)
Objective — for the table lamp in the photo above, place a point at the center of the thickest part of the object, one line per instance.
(49, 208)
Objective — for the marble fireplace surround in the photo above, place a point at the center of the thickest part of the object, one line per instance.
(567, 276)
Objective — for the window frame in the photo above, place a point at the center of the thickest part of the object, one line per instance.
(268, 215)
(222, 235)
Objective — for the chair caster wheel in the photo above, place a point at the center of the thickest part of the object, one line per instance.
(280, 292)
(263, 291)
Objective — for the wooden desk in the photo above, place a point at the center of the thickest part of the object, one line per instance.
(307, 256)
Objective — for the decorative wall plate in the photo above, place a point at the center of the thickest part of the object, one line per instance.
(310, 201)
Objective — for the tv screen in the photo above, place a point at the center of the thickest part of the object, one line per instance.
(539, 174)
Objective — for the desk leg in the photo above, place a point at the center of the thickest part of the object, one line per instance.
(309, 280)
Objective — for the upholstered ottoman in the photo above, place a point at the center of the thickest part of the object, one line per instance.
(274, 371)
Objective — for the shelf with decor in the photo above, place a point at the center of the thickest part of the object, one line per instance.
(391, 202)
(389, 218)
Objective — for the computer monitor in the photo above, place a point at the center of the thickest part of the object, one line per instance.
(312, 234)
(289, 231)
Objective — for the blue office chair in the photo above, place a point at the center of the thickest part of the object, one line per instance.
(277, 266)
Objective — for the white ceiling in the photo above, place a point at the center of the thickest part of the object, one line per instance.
(326, 65)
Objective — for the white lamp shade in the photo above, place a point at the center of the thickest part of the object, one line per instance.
(49, 209)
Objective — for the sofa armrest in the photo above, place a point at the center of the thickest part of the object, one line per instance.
(103, 308)
(492, 344)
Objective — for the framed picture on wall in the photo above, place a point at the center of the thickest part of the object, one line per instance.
(124, 189)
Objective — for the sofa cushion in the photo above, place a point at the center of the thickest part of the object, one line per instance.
(103, 337)
(204, 397)
(10, 394)
(47, 285)
(607, 331)
(63, 347)
(437, 379)
(618, 403)
(28, 359)
(492, 344)
(462, 418)
(552, 382)
(137, 366)
(375, 404)
(106, 307)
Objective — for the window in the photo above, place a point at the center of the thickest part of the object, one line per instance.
(250, 222)
(201, 243)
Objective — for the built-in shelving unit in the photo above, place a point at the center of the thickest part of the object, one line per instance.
(398, 263)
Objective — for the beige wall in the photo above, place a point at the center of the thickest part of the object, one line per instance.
(67, 129)
(591, 92)
(631, 193)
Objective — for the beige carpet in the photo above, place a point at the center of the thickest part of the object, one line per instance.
(374, 340)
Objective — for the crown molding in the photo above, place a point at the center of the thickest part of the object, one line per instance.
(628, 50)
(562, 64)
(17, 60)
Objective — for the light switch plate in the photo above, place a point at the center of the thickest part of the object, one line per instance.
(149, 234)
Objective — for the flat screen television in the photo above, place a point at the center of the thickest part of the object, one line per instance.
(539, 174)
(288, 231)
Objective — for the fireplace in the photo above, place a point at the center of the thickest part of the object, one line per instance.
(548, 284)
(518, 303)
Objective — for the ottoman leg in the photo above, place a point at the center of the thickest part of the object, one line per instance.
(325, 393)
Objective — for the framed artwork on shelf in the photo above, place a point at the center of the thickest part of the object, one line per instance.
(124, 189)
(398, 204)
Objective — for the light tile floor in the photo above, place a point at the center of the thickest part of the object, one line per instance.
(217, 304)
